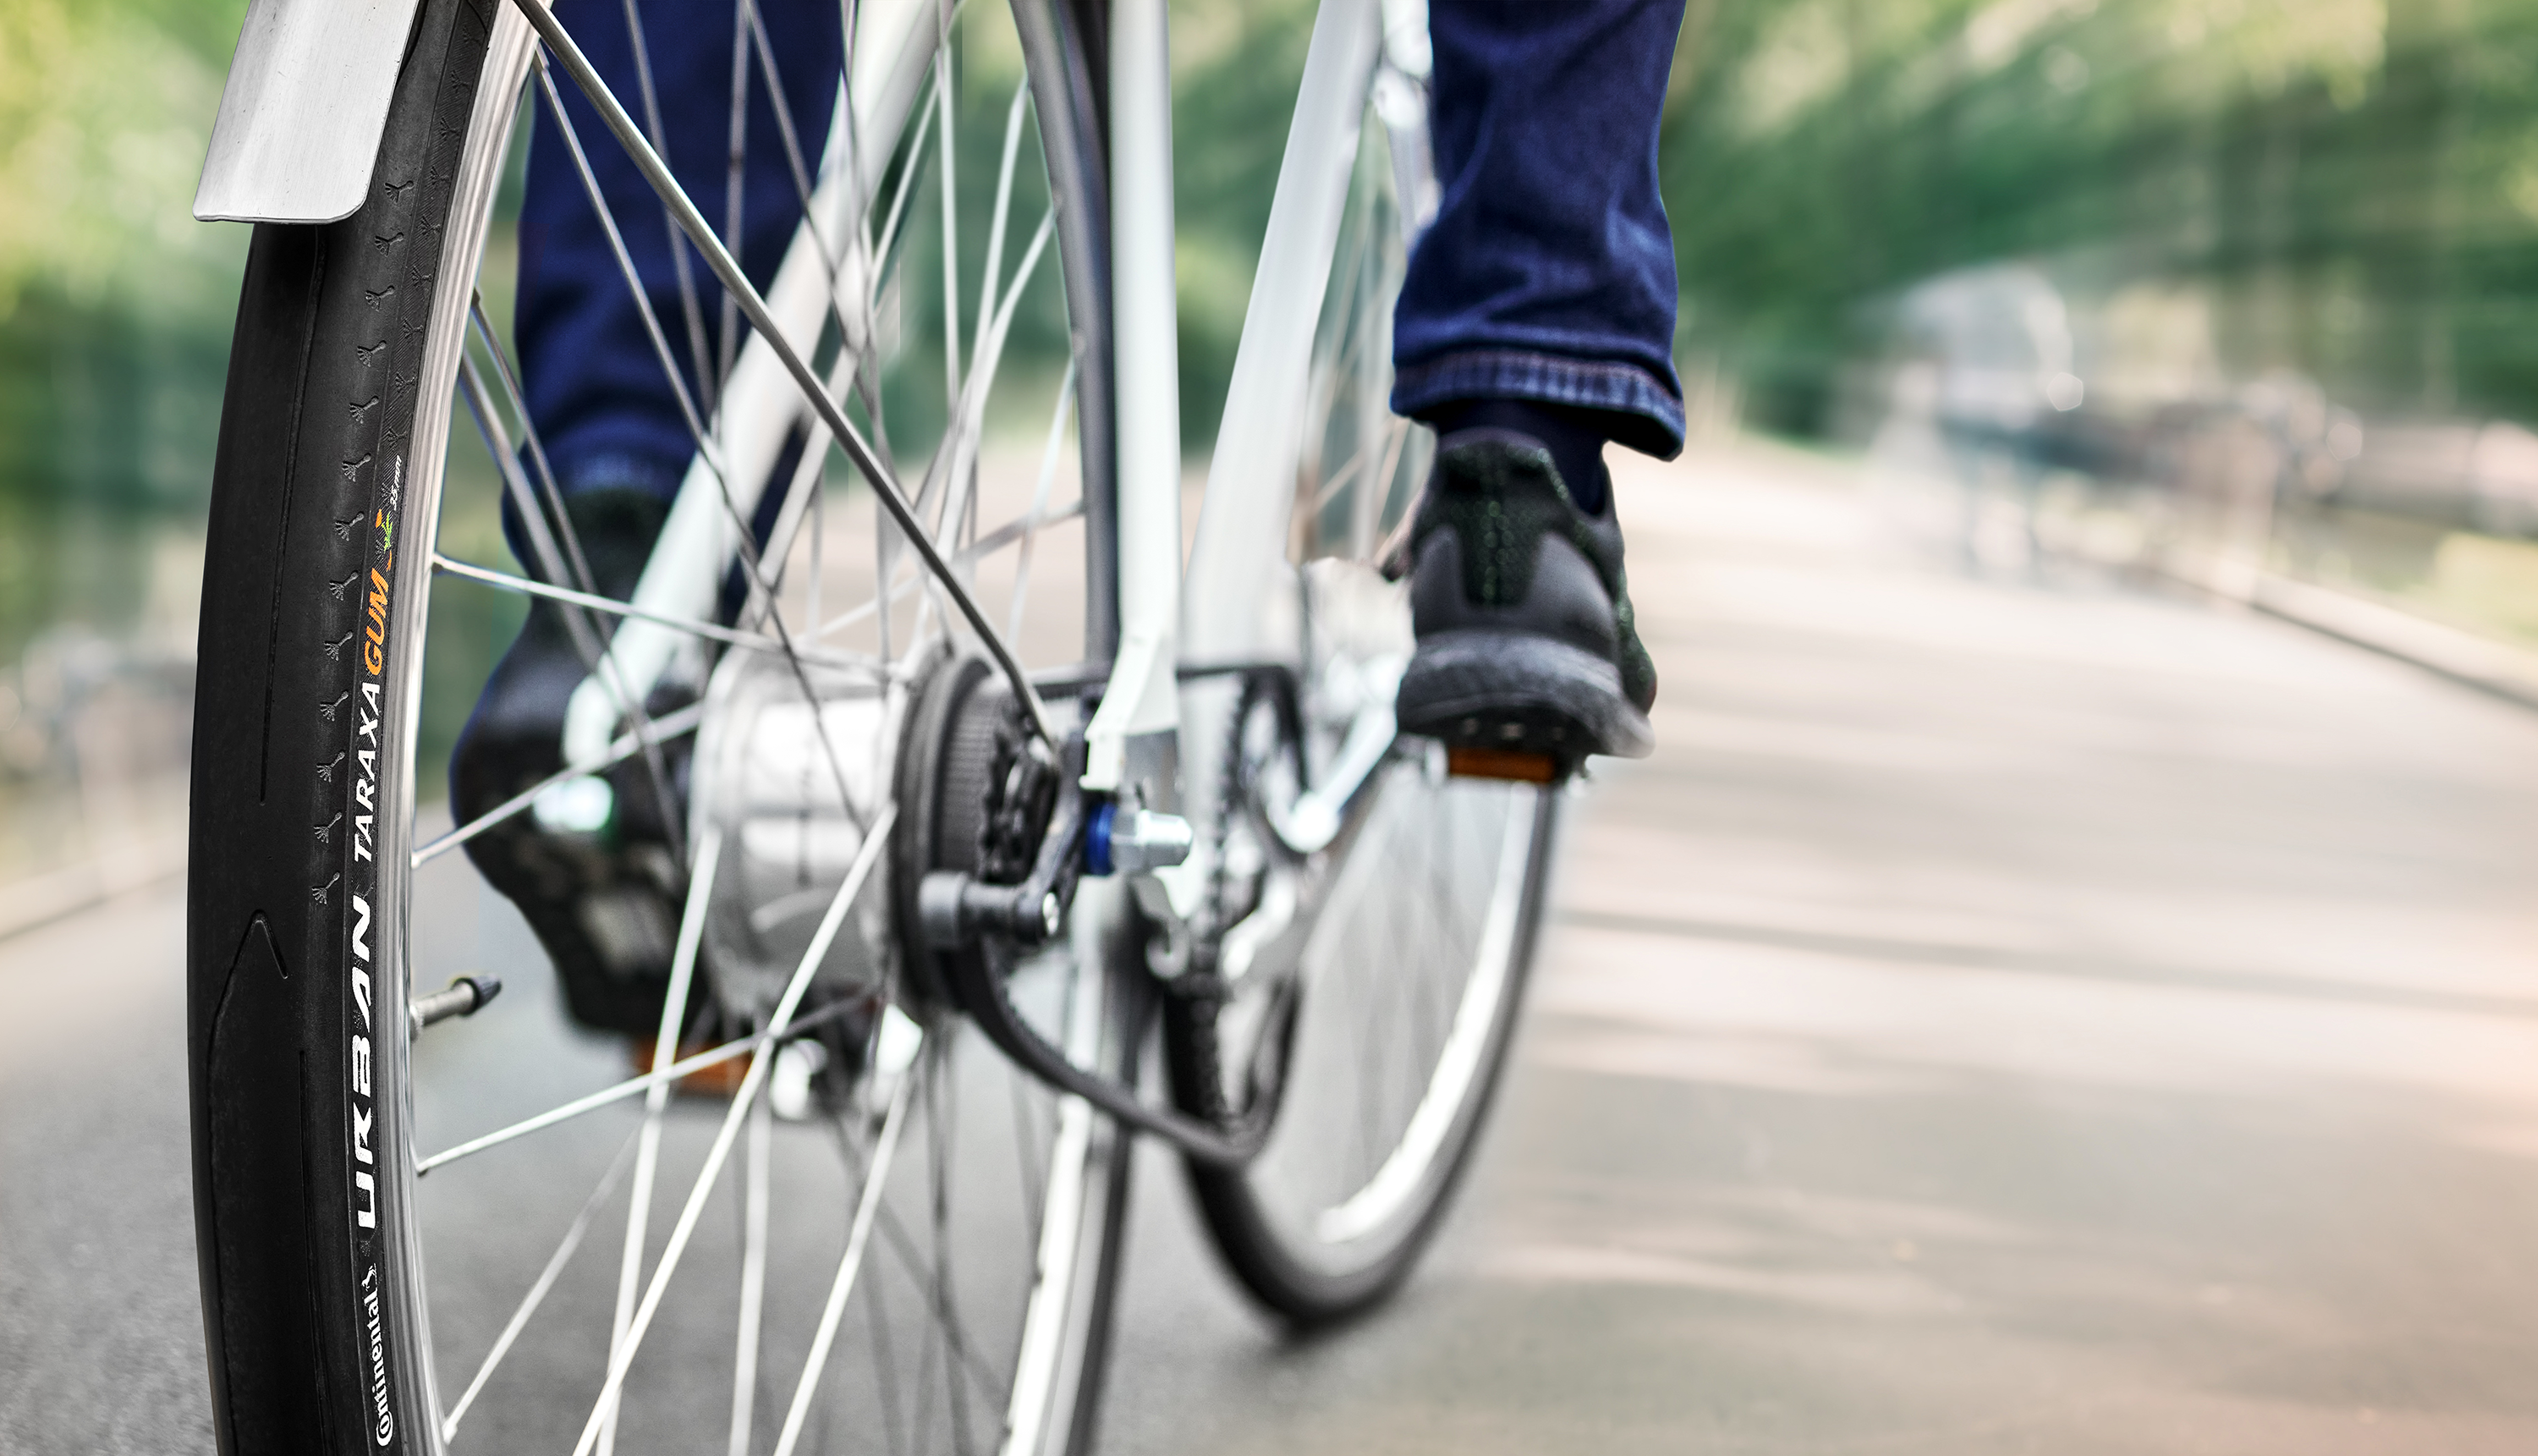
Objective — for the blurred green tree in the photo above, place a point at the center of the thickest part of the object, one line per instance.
(2352, 184)
(114, 302)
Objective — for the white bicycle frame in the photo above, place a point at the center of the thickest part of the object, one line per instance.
(283, 151)
(1240, 551)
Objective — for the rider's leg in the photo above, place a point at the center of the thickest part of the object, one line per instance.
(605, 410)
(599, 893)
(1536, 324)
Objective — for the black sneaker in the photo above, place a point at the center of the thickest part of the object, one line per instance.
(1525, 638)
(603, 892)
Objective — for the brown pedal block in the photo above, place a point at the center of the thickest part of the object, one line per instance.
(722, 1080)
(1503, 763)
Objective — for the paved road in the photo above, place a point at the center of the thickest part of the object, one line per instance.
(2006, 1017)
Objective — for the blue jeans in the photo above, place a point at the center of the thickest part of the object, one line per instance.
(1549, 272)
(1548, 275)
(604, 409)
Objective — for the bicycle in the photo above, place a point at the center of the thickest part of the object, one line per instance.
(892, 818)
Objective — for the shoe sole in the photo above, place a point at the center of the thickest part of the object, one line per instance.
(1519, 693)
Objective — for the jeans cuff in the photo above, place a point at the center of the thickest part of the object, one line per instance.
(1653, 410)
(615, 468)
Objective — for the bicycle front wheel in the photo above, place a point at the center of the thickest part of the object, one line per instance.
(852, 1225)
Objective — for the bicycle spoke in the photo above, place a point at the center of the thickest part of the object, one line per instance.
(987, 281)
(867, 1207)
(908, 176)
(744, 21)
(885, 1367)
(664, 728)
(802, 494)
(517, 401)
(958, 453)
(887, 539)
(752, 1084)
(955, 463)
(804, 187)
(665, 1041)
(752, 1275)
(1048, 458)
(911, 1261)
(587, 644)
(938, 1184)
(595, 654)
(1018, 529)
(734, 176)
(538, 1289)
(533, 517)
(744, 538)
(684, 212)
(1025, 1134)
(945, 181)
(725, 267)
(819, 507)
(620, 1092)
(1361, 463)
(729, 636)
(626, 261)
(623, 126)
(689, 303)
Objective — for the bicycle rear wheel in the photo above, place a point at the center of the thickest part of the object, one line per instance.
(1393, 955)
(919, 1255)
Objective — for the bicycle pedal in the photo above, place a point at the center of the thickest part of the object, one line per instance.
(722, 1080)
(1515, 766)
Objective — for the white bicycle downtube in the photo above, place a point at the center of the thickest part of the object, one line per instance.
(760, 407)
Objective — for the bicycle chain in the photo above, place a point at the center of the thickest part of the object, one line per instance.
(1201, 991)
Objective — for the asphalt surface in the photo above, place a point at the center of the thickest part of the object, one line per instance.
(2008, 1015)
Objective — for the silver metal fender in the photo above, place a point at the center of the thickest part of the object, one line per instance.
(305, 105)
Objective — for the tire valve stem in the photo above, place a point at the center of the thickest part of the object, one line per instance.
(464, 997)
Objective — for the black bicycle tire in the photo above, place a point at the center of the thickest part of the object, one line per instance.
(1248, 1240)
(302, 592)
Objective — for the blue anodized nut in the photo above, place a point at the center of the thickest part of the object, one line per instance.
(1097, 838)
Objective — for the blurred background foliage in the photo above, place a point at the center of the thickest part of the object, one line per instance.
(2348, 186)
(2288, 249)
(114, 304)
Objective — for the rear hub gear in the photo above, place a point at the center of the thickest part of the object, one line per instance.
(976, 794)
(789, 760)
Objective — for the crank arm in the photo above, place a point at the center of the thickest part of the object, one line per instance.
(1319, 814)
